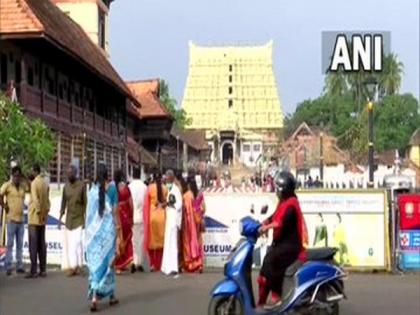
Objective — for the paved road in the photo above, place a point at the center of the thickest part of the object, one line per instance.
(149, 294)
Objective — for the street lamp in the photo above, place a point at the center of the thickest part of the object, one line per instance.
(372, 87)
(177, 152)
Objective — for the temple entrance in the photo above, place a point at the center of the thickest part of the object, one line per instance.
(227, 153)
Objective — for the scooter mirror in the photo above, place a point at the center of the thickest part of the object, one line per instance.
(264, 209)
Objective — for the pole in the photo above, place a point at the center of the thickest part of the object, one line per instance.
(321, 157)
(177, 152)
(371, 148)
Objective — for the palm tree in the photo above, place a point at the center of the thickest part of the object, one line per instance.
(391, 76)
(335, 84)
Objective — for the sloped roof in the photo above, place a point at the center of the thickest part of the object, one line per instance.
(144, 92)
(43, 19)
(144, 86)
(193, 137)
(298, 151)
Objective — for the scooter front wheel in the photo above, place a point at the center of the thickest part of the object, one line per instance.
(225, 305)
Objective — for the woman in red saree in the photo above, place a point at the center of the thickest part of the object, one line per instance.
(192, 252)
(125, 214)
(199, 213)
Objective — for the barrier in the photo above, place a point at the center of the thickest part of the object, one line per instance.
(353, 221)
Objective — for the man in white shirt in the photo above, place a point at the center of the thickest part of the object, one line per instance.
(138, 192)
(172, 226)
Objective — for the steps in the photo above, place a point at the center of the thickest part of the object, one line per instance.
(237, 172)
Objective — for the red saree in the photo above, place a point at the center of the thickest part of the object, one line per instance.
(199, 212)
(192, 252)
(125, 213)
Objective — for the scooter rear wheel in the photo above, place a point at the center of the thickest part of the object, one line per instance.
(225, 305)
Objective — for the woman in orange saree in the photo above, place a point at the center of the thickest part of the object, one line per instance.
(192, 252)
(154, 222)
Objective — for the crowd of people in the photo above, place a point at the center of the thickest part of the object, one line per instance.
(112, 227)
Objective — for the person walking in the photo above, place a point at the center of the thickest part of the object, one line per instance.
(39, 206)
(102, 245)
(74, 200)
(192, 255)
(154, 221)
(14, 193)
(172, 226)
(138, 192)
(125, 213)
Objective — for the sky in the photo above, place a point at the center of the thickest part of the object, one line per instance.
(149, 38)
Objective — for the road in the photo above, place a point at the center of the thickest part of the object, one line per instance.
(149, 294)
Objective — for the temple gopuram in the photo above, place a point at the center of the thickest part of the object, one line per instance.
(231, 93)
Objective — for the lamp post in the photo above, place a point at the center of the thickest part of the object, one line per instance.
(371, 86)
(177, 152)
(321, 156)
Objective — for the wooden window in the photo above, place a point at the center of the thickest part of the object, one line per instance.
(30, 76)
(101, 28)
(3, 68)
(18, 71)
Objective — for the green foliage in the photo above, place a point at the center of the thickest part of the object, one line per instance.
(342, 110)
(181, 120)
(22, 139)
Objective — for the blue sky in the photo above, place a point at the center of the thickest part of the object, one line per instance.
(149, 38)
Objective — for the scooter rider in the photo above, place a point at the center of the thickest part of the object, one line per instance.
(289, 239)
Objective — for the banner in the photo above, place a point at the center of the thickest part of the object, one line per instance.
(353, 221)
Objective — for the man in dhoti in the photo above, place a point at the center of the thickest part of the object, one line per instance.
(73, 204)
(138, 191)
(173, 224)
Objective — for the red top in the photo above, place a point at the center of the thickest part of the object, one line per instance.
(278, 215)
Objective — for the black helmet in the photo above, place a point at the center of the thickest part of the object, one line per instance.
(285, 183)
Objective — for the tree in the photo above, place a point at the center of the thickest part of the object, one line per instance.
(181, 120)
(22, 139)
(391, 76)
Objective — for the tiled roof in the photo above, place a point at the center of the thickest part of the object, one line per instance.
(151, 107)
(43, 19)
(144, 86)
(194, 138)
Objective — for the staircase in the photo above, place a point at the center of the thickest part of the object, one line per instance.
(237, 172)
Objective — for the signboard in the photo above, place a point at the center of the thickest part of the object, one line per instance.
(410, 249)
(353, 221)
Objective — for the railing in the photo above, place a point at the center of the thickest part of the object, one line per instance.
(64, 111)
(35, 100)
(107, 127)
(114, 130)
(50, 105)
(77, 117)
(99, 123)
(32, 98)
(89, 120)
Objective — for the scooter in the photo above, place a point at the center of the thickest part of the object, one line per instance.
(314, 287)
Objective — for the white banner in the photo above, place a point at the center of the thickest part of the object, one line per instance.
(353, 221)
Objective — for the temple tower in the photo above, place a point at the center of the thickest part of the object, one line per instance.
(231, 92)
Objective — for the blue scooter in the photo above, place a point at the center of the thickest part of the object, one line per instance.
(314, 287)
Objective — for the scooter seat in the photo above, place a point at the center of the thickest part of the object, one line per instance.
(321, 254)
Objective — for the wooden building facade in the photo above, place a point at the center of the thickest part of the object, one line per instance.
(64, 79)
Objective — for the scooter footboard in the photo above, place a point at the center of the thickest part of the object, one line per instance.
(225, 287)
